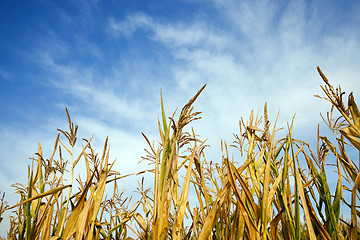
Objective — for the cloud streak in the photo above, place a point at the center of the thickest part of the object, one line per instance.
(267, 52)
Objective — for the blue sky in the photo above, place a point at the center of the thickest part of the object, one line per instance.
(107, 61)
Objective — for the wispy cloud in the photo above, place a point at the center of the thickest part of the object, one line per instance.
(131, 24)
(197, 34)
(267, 51)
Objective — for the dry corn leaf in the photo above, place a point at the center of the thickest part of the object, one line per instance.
(41, 195)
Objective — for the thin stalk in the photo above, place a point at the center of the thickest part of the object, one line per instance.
(61, 226)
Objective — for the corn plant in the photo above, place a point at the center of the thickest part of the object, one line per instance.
(277, 187)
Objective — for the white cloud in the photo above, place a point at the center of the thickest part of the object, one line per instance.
(131, 24)
(178, 34)
(267, 52)
(254, 19)
(97, 96)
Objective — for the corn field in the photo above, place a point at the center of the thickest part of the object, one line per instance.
(279, 190)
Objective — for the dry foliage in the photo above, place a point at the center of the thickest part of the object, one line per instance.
(280, 191)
